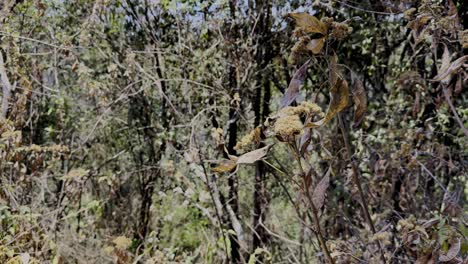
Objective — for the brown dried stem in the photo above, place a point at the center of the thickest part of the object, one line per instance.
(357, 182)
(315, 217)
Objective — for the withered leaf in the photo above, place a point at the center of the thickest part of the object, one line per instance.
(316, 45)
(293, 89)
(253, 156)
(318, 197)
(333, 70)
(308, 23)
(420, 21)
(445, 72)
(306, 138)
(445, 60)
(226, 165)
(360, 102)
(339, 100)
(451, 253)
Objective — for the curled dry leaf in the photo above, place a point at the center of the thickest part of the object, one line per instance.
(226, 165)
(360, 102)
(318, 197)
(316, 45)
(293, 89)
(339, 100)
(451, 253)
(306, 138)
(308, 23)
(253, 156)
(445, 72)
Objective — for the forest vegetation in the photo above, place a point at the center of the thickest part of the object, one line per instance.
(233, 131)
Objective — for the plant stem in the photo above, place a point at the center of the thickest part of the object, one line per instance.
(357, 182)
(315, 218)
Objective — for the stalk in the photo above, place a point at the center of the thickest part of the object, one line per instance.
(357, 182)
(315, 217)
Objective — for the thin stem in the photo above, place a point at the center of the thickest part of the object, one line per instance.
(454, 110)
(218, 214)
(315, 217)
(357, 182)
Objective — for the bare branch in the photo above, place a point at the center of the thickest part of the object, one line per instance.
(6, 87)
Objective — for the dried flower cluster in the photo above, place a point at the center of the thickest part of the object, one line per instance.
(289, 121)
(341, 30)
(249, 140)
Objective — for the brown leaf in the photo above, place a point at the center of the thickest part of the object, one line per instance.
(253, 156)
(333, 70)
(452, 252)
(316, 45)
(293, 89)
(445, 60)
(416, 104)
(308, 23)
(306, 138)
(318, 197)
(360, 102)
(226, 165)
(339, 100)
(445, 72)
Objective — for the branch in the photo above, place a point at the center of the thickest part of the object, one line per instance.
(454, 110)
(357, 182)
(6, 87)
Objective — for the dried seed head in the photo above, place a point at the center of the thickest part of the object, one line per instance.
(287, 126)
(341, 30)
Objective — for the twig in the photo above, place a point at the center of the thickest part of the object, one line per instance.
(215, 201)
(6, 86)
(454, 111)
(315, 217)
(366, 10)
(357, 182)
(432, 175)
(6, 34)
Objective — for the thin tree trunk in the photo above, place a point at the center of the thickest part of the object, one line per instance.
(261, 110)
(6, 87)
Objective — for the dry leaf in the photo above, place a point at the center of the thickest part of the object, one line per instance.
(360, 102)
(445, 61)
(253, 156)
(308, 23)
(316, 45)
(339, 100)
(293, 89)
(318, 197)
(420, 21)
(445, 72)
(306, 138)
(451, 253)
(226, 165)
(333, 70)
